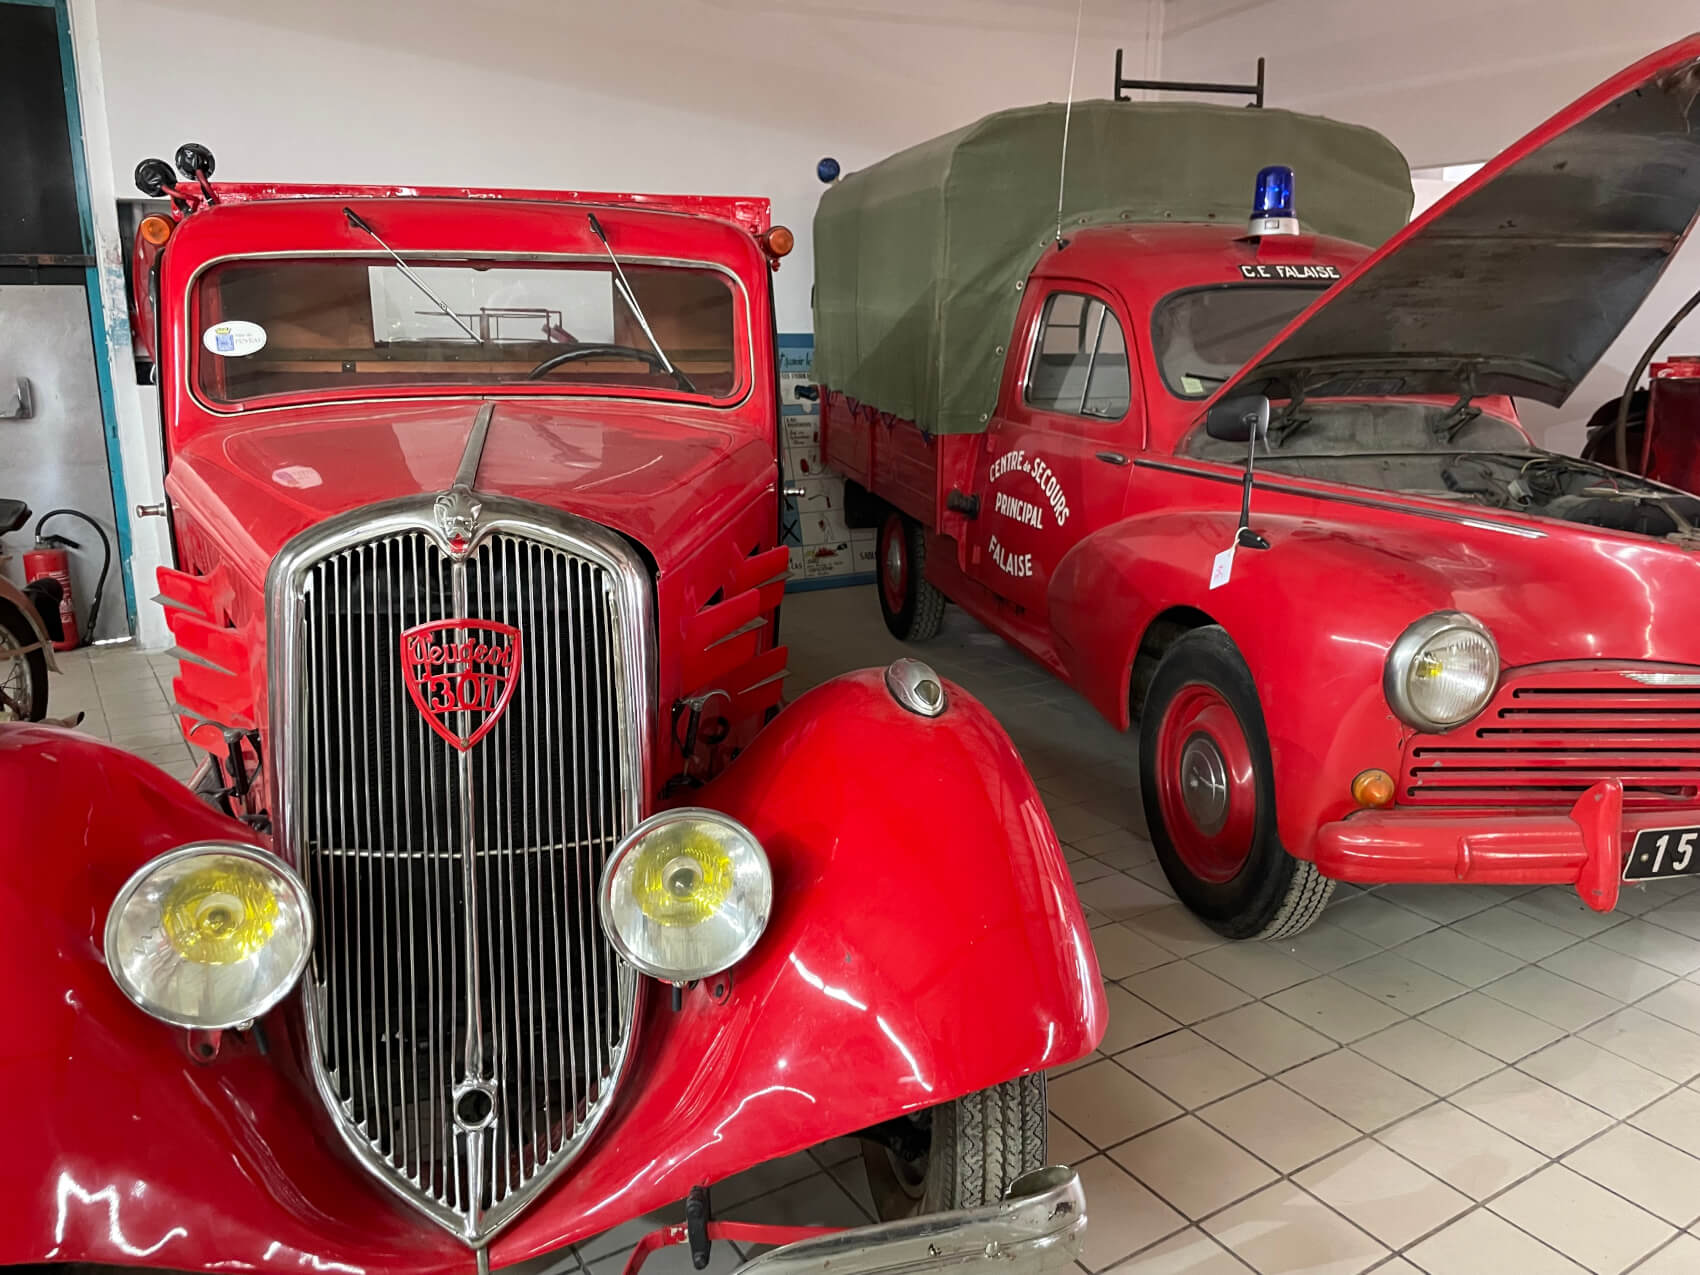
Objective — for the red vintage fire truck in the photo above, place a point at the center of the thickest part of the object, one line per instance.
(508, 904)
(1264, 492)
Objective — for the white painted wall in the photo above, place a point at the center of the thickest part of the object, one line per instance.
(136, 411)
(1450, 81)
(693, 96)
(700, 96)
(743, 96)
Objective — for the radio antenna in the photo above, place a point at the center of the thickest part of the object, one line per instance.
(1068, 110)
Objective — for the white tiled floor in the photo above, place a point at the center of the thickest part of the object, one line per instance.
(1453, 1081)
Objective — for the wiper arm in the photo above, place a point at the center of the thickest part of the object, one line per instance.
(359, 223)
(637, 310)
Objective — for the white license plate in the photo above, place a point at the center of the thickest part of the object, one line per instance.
(1663, 852)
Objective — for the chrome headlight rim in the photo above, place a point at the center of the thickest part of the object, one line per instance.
(202, 849)
(1404, 651)
(630, 843)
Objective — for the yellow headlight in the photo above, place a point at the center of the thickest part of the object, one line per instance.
(686, 894)
(209, 935)
(682, 884)
(217, 915)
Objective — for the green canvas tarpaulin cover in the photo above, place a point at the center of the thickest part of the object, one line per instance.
(919, 258)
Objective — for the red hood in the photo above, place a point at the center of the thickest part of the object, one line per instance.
(659, 477)
(1518, 281)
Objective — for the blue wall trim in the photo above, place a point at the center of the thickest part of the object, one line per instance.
(97, 311)
(830, 582)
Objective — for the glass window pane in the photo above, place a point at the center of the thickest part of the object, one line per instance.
(1080, 363)
(1205, 335)
(1056, 381)
(1109, 391)
(356, 325)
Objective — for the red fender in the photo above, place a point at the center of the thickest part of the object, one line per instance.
(1317, 670)
(925, 942)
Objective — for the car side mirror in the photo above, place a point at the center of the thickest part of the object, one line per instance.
(1238, 419)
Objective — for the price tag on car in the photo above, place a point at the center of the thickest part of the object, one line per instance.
(1663, 852)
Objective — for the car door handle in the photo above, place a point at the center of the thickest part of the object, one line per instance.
(1112, 458)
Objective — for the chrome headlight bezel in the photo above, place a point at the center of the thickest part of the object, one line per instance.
(614, 878)
(289, 885)
(1412, 642)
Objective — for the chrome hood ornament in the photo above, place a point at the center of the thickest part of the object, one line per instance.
(456, 512)
(458, 509)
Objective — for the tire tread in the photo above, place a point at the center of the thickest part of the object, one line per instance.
(984, 1141)
(1307, 895)
(928, 614)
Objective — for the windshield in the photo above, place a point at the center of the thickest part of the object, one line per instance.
(279, 327)
(1204, 335)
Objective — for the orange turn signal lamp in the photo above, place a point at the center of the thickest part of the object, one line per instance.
(779, 241)
(1373, 789)
(155, 230)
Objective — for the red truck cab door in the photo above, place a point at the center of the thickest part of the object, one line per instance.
(1056, 457)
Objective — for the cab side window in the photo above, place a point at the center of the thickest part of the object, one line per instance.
(1080, 363)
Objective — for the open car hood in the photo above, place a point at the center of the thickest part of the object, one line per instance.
(1518, 280)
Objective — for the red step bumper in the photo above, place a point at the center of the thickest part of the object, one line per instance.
(1584, 847)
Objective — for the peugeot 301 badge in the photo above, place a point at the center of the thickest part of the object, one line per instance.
(461, 674)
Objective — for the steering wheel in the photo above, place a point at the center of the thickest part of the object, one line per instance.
(586, 351)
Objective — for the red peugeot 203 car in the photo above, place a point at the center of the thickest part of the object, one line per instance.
(508, 904)
(1267, 493)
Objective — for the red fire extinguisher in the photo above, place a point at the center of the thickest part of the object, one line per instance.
(50, 559)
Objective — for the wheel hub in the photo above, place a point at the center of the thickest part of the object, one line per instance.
(894, 565)
(1204, 784)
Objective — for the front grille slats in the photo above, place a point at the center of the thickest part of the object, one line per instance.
(459, 944)
(1552, 732)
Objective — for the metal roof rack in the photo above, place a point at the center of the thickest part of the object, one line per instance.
(1253, 91)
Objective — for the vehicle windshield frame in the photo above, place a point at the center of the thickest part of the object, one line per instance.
(190, 353)
(1224, 285)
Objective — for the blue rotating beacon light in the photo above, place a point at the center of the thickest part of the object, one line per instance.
(1272, 205)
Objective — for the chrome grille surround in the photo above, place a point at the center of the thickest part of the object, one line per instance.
(1551, 731)
(481, 1024)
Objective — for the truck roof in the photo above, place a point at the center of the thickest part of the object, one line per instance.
(749, 211)
(919, 258)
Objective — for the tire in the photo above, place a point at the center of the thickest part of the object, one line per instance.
(979, 1144)
(912, 608)
(1208, 785)
(23, 678)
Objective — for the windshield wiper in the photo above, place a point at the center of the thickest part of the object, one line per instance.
(637, 310)
(359, 223)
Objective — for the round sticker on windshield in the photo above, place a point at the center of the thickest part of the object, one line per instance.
(234, 339)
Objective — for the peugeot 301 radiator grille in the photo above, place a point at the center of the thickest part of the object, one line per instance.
(468, 1019)
(1552, 732)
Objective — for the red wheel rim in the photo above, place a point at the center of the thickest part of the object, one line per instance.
(894, 564)
(1206, 784)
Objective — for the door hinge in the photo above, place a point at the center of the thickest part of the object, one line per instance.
(962, 503)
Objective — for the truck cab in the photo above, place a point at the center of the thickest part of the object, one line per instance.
(1120, 336)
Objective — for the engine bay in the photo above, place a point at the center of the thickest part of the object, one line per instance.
(1458, 453)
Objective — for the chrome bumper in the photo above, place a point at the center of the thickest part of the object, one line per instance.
(1036, 1228)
